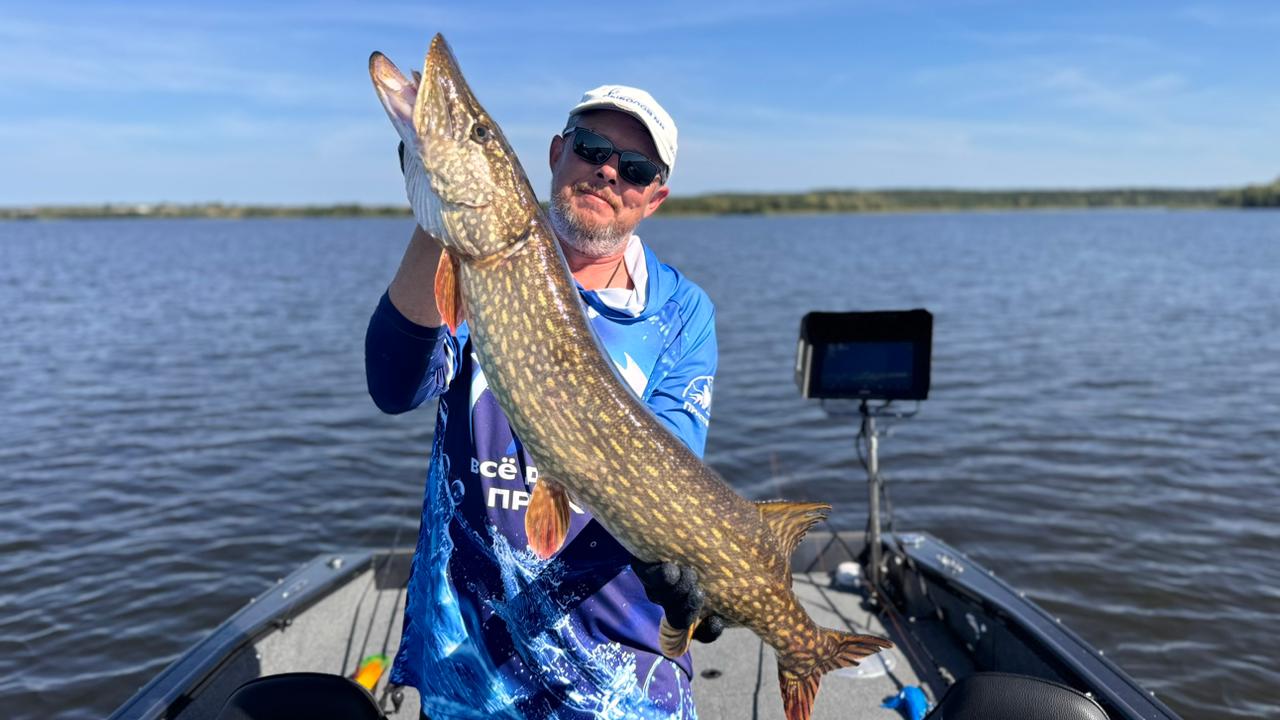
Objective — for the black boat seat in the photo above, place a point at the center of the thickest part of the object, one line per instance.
(300, 696)
(1004, 696)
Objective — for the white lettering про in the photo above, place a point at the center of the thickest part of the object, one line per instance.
(500, 493)
(510, 499)
(519, 499)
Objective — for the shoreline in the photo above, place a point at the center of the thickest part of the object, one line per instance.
(721, 204)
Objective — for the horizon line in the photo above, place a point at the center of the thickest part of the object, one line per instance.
(714, 193)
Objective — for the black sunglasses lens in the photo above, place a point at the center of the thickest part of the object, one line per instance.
(591, 147)
(637, 168)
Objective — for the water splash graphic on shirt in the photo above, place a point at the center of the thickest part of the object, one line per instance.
(463, 681)
(456, 678)
(596, 681)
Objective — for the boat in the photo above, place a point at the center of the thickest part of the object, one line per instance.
(967, 644)
(950, 618)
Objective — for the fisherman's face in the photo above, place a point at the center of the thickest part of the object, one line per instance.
(593, 204)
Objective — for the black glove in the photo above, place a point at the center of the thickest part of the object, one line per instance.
(675, 588)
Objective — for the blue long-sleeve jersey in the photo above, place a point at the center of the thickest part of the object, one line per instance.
(490, 631)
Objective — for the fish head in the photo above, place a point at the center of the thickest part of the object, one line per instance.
(475, 197)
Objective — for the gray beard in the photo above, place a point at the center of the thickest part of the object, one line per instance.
(592, 241)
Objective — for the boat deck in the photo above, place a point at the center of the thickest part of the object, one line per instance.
(734, 677)
(737, 676)
(952, 618)
(335, 611)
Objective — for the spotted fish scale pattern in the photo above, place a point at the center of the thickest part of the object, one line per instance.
(568, 406)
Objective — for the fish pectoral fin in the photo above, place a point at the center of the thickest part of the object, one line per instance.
(448, 291)
(673, 642)
(791, 520)
(546, 521)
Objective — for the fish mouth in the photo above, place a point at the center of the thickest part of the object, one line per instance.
(397, 94)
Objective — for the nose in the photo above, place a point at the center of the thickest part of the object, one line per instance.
(609, 170)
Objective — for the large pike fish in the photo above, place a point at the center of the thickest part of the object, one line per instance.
(592, 439)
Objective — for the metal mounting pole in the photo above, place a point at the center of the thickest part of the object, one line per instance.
(873, 497)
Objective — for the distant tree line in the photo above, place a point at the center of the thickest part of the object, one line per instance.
(928, 200)
(201, 210)
(1252, 196)
(818, 201)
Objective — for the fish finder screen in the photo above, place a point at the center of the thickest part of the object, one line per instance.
(878, 355)
(867, 369)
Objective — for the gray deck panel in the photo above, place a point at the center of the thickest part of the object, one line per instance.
(744, 682)
(357, 618)
(354, 622)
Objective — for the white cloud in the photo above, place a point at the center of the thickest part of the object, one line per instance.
(221, 159)
(272, 104)
(1220, 17)
(888, 152)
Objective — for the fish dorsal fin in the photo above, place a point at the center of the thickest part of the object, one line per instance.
(448, 291)
(791, 520)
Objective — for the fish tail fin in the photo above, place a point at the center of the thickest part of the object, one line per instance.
(448, 291)
(799, 675)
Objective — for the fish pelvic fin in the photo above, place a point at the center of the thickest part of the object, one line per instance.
(546, 521)
(800, 674)
(791, 520)
(675, 642)
(448, 291)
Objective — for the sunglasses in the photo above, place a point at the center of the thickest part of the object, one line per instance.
(632, 166)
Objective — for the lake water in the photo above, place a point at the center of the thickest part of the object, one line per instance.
(185, 420)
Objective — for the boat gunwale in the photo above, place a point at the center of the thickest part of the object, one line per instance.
(163, 696)
(1036, 628)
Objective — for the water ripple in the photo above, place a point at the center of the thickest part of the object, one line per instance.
(186, 421)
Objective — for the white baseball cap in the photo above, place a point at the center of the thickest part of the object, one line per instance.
(638, 104)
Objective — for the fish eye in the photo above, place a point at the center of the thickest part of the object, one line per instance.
(481, 133)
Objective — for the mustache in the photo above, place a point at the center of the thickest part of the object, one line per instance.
(588, 188)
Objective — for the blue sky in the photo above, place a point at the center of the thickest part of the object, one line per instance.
(270, 102)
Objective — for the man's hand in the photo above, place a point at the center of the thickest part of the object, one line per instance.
(675, 588)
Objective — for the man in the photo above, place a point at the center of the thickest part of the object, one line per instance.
(488, 631)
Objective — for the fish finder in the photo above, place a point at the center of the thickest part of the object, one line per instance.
(865, 355)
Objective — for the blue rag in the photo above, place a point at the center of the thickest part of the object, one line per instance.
(911, 701)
